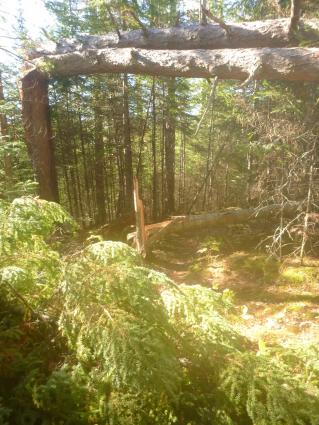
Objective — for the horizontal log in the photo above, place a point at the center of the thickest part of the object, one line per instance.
(286, 64)
(268, 33)
(158, 231)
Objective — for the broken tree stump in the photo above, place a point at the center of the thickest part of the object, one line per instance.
(140, 221)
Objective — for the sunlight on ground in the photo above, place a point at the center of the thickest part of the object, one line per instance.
(278, 302)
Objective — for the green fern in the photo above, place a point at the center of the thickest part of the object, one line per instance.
(97, 338)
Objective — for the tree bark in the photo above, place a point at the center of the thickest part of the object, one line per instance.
(286, 64)
(268, 33)
(169, 144)
(36, 120)
(154, 157)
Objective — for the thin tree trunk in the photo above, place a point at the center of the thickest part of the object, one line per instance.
(308, 206)
(70, 157)
(139, 166)
(128, 167)
(170, 127)
(85, 167)
(162, 146)
(154, 157)
(99, 160)
(64, 164)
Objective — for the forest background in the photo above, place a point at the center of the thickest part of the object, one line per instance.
(191, 149)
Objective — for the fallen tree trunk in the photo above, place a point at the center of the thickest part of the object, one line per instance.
(268, 33)
(158, 231)
(286, 64)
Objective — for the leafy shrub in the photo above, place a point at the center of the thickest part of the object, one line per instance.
(28, 264)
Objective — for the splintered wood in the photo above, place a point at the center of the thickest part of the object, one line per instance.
(140, 222)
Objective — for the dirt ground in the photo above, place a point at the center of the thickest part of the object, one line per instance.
(277, 302)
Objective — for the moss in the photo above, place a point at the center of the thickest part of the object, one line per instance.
(299, 275)
(255, 266)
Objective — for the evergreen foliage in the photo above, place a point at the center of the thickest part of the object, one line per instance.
(97, 338)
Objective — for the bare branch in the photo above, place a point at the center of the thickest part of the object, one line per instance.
(210, 101)
(218, 21)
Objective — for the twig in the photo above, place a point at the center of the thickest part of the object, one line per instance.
(219, 21)
(252, 75)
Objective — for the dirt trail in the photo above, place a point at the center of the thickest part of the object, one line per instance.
(277, 303)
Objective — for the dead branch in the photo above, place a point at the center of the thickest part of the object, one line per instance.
(218, 21)
(210, 101)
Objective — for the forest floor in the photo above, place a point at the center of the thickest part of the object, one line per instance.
(277, 302)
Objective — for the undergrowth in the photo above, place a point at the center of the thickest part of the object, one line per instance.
(97, 338)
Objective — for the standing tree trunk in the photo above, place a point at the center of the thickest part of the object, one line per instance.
(36, 119)
(154, 157)
(128, 167)
(170, 126)
(99, 162)
(85, 167)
